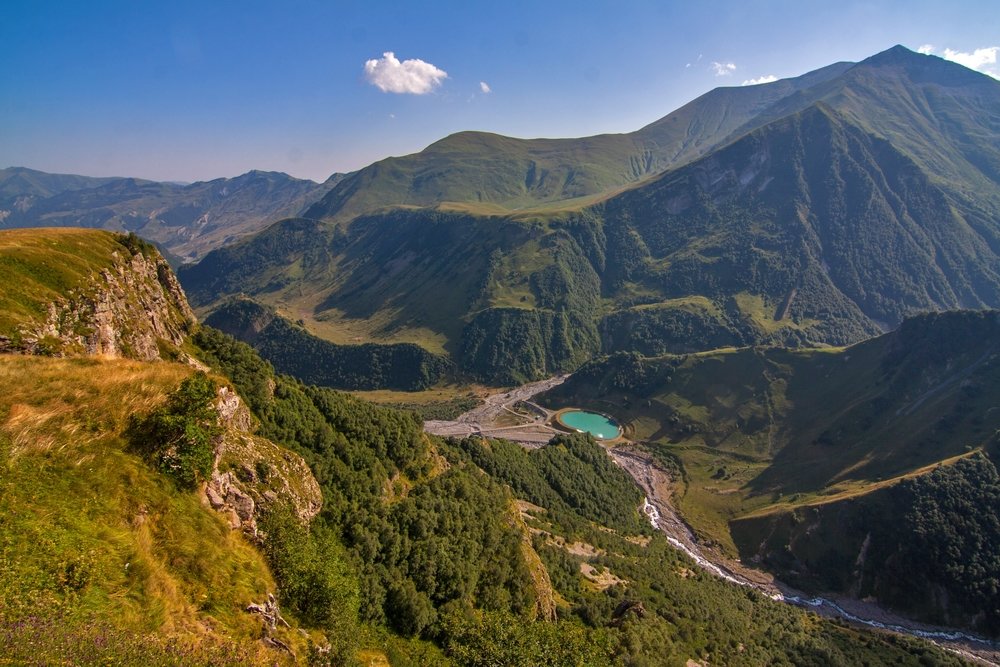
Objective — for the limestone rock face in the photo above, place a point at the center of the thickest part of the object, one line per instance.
(252, 473)
(123, 312)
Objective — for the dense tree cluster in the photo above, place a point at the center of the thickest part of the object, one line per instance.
(443, 541)
(949, 537)
(515, 345)
(438, 549)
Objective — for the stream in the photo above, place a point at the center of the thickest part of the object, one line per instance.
(658, 509)
(664, 518)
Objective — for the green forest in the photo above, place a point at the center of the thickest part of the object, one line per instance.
(438, 549)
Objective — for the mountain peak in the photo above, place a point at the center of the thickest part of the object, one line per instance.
(899, 56)
(925, 68)
(894, 54)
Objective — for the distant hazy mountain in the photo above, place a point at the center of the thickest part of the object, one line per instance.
(21, 182)
(187, 220)
(851, 198)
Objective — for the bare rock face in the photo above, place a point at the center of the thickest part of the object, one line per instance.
(233, 413)
(252, 473)
(125, 311)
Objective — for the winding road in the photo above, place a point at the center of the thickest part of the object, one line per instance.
(483, 420)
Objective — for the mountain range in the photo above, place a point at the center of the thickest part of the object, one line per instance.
(819, 210)
(185, 220)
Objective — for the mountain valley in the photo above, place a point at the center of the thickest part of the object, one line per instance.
(821, 226)
(264, 421)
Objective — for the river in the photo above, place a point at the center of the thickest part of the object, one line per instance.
(656, 483)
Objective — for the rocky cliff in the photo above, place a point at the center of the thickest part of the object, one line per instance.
(88, 292)
(251, 473)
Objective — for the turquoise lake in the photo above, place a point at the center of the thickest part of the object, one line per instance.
(597, 425)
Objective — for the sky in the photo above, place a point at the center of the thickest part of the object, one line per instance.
(186, 91)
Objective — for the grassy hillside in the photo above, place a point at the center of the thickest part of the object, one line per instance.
(101, 556)
(74, 291)
(37, 267)
(505, 173)
(783, 433)
(816, 227)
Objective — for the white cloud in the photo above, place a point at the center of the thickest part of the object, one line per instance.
(415, 77)
(761, 79)
(723, 69)
(982, 60)
(485, 87)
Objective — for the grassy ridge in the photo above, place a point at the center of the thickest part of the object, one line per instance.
(490, 172)
(89, 534)
(39, 266)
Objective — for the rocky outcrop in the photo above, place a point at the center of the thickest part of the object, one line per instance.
(251, 473)
(127, 310)
(271, 615)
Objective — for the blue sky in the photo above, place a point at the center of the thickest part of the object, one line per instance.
(197, 90)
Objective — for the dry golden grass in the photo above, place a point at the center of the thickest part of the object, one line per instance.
(90, 532)
(72, 402)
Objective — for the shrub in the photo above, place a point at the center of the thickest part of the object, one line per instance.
(315, 581)
(178, 438)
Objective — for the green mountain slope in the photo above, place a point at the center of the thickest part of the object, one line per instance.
(496, 172)
(814, 228)
(941, 115)
(505, 556)
(826, 222)
(148, 516)
(186, 220)
(800, 458)
(294, 351)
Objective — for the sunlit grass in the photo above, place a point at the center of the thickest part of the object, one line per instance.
(38, 266)
(90, 534)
